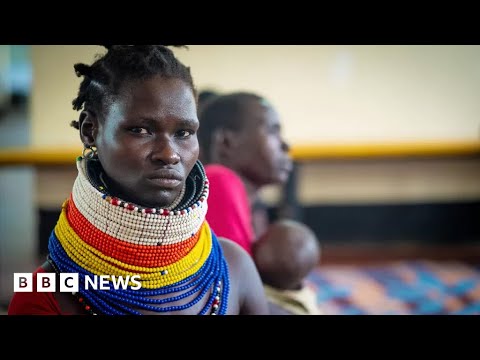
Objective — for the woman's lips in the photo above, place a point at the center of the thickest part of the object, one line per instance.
(165, 178)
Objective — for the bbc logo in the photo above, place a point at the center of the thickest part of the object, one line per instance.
(46, 282)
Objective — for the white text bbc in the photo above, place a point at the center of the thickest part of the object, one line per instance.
(68, 282)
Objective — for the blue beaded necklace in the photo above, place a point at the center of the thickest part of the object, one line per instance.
(126, 300)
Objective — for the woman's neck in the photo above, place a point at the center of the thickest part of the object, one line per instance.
(252, 189)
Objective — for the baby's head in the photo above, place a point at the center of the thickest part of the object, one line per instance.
(285, 254)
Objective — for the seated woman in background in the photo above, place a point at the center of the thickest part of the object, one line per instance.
(241, 143)
(242, 147)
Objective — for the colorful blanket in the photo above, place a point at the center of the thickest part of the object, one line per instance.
(416, 288)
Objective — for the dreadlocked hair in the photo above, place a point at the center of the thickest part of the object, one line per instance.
(103, 79)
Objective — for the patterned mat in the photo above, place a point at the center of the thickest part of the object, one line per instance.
(417, 288)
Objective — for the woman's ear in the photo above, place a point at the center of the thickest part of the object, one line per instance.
(227, 139)
(223, 145)
(88, 127)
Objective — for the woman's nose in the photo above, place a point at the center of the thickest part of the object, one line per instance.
(166, 153)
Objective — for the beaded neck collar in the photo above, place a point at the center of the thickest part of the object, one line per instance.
(172, 250)
(130, 222)
(194, 191)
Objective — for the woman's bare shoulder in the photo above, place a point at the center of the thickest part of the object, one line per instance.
(234, 253)
(244, 274)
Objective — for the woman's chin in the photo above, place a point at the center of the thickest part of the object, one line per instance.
(163, 200)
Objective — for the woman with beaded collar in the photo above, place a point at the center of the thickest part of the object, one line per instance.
(139, 201)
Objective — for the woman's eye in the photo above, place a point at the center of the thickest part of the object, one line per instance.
(139, 130)
(184, 133)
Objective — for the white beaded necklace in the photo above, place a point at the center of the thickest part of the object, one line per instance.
(129, 222)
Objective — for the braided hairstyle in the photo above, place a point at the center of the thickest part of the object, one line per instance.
(103, 79)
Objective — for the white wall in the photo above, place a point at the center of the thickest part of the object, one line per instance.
(346, 94)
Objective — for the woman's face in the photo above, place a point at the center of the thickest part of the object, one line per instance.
(263, 155)
(147, 142)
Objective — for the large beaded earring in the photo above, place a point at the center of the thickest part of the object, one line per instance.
(90, 152)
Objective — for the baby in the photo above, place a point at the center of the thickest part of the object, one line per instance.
(284, 256)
